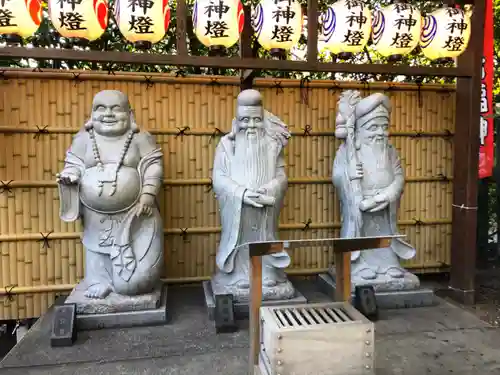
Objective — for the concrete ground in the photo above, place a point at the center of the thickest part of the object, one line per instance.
(444, 339)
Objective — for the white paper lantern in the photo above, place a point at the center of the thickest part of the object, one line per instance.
(85, 19)
(20, 17)
(396, 29)
(142, 20)
(278, 24)
(445, 33)
(346, 26)
(218, 23)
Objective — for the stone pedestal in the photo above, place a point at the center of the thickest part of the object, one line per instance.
(403, 293)
(241, 310)
(118, 311)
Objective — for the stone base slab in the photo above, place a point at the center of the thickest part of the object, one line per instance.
(241, 309)
(387, 299)
(385, 283)
(113, 303)
(125, 319)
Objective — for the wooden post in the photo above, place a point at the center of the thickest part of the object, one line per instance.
(255, 303)
(465, 164)
(343, 277)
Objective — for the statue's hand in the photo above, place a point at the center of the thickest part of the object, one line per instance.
(379, 207)
(250, 198)
(66, 179)
(266, 200)
(145, 206)
(355, 171)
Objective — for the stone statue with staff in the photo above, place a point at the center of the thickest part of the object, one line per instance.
(369, 181)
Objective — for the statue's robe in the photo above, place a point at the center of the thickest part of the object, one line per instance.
(242, 223)
(134, 244)
(381, 175)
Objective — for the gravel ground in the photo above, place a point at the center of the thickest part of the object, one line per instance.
(487, 305)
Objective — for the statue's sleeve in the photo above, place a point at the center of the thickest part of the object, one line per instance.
(151, 164)
(349, 203)
(223, 185)
(278, 185)
(395, 190)
(69, 195)
(229, 195)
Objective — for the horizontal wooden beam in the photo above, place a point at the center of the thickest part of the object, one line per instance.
(134, 58)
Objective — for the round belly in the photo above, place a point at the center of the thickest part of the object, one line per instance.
(102, 199)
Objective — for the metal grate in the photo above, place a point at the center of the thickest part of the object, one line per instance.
(288, 317)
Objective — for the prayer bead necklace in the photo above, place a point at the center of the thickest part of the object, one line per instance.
(100, 165)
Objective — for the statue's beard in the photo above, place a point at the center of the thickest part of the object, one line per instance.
(251, 158)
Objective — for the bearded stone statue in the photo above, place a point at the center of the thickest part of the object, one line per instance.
(250, 182)
(111, 179)
(369, 181)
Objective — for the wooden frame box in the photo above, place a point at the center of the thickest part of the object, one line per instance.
(315, 339)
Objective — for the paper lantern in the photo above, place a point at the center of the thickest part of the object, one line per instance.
(85, 19)
(345, 27)
(278, 24)
(396, 29)
(218, 23)
(445, 33)
(20, 17)
(142, 20)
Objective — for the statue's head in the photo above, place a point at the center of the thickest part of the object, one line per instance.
(372, 120)
(250, 114)
(111, 114)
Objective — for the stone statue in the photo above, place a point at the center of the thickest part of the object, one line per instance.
(250, 183)
(369, 181)
(111, 179)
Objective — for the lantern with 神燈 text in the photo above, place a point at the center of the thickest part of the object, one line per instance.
(143, 22)
(445, 34)
(83, 19)
(20, 17)
(218, 23)
(396, 30)
(278, 24)
(345, 27)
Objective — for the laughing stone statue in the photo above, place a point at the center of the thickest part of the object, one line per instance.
(369, 181)
(249, 181)
(111, 179)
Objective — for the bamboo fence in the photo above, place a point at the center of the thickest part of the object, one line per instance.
(42, 256)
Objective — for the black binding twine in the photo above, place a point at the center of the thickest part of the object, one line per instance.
(9, 296)
(307, 131)
(45, 239)
(180, 73)
(40, 131)
(307, 224)
(210, 186)
(182, 131)
(304, 90)
(148, 80)
(216, 133)
(184, 233)
(278, 87)
(5, 186)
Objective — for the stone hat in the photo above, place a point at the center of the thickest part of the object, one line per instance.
(373, 106)
(249, 98)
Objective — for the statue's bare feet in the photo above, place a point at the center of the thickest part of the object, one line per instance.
(395, 272)
(98, 291)
(269, 282)
(367, 274)
(243, 284)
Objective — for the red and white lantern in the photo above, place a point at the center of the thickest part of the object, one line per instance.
(142, 20)
(218, 23)
(84, 19)
(20, 17)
